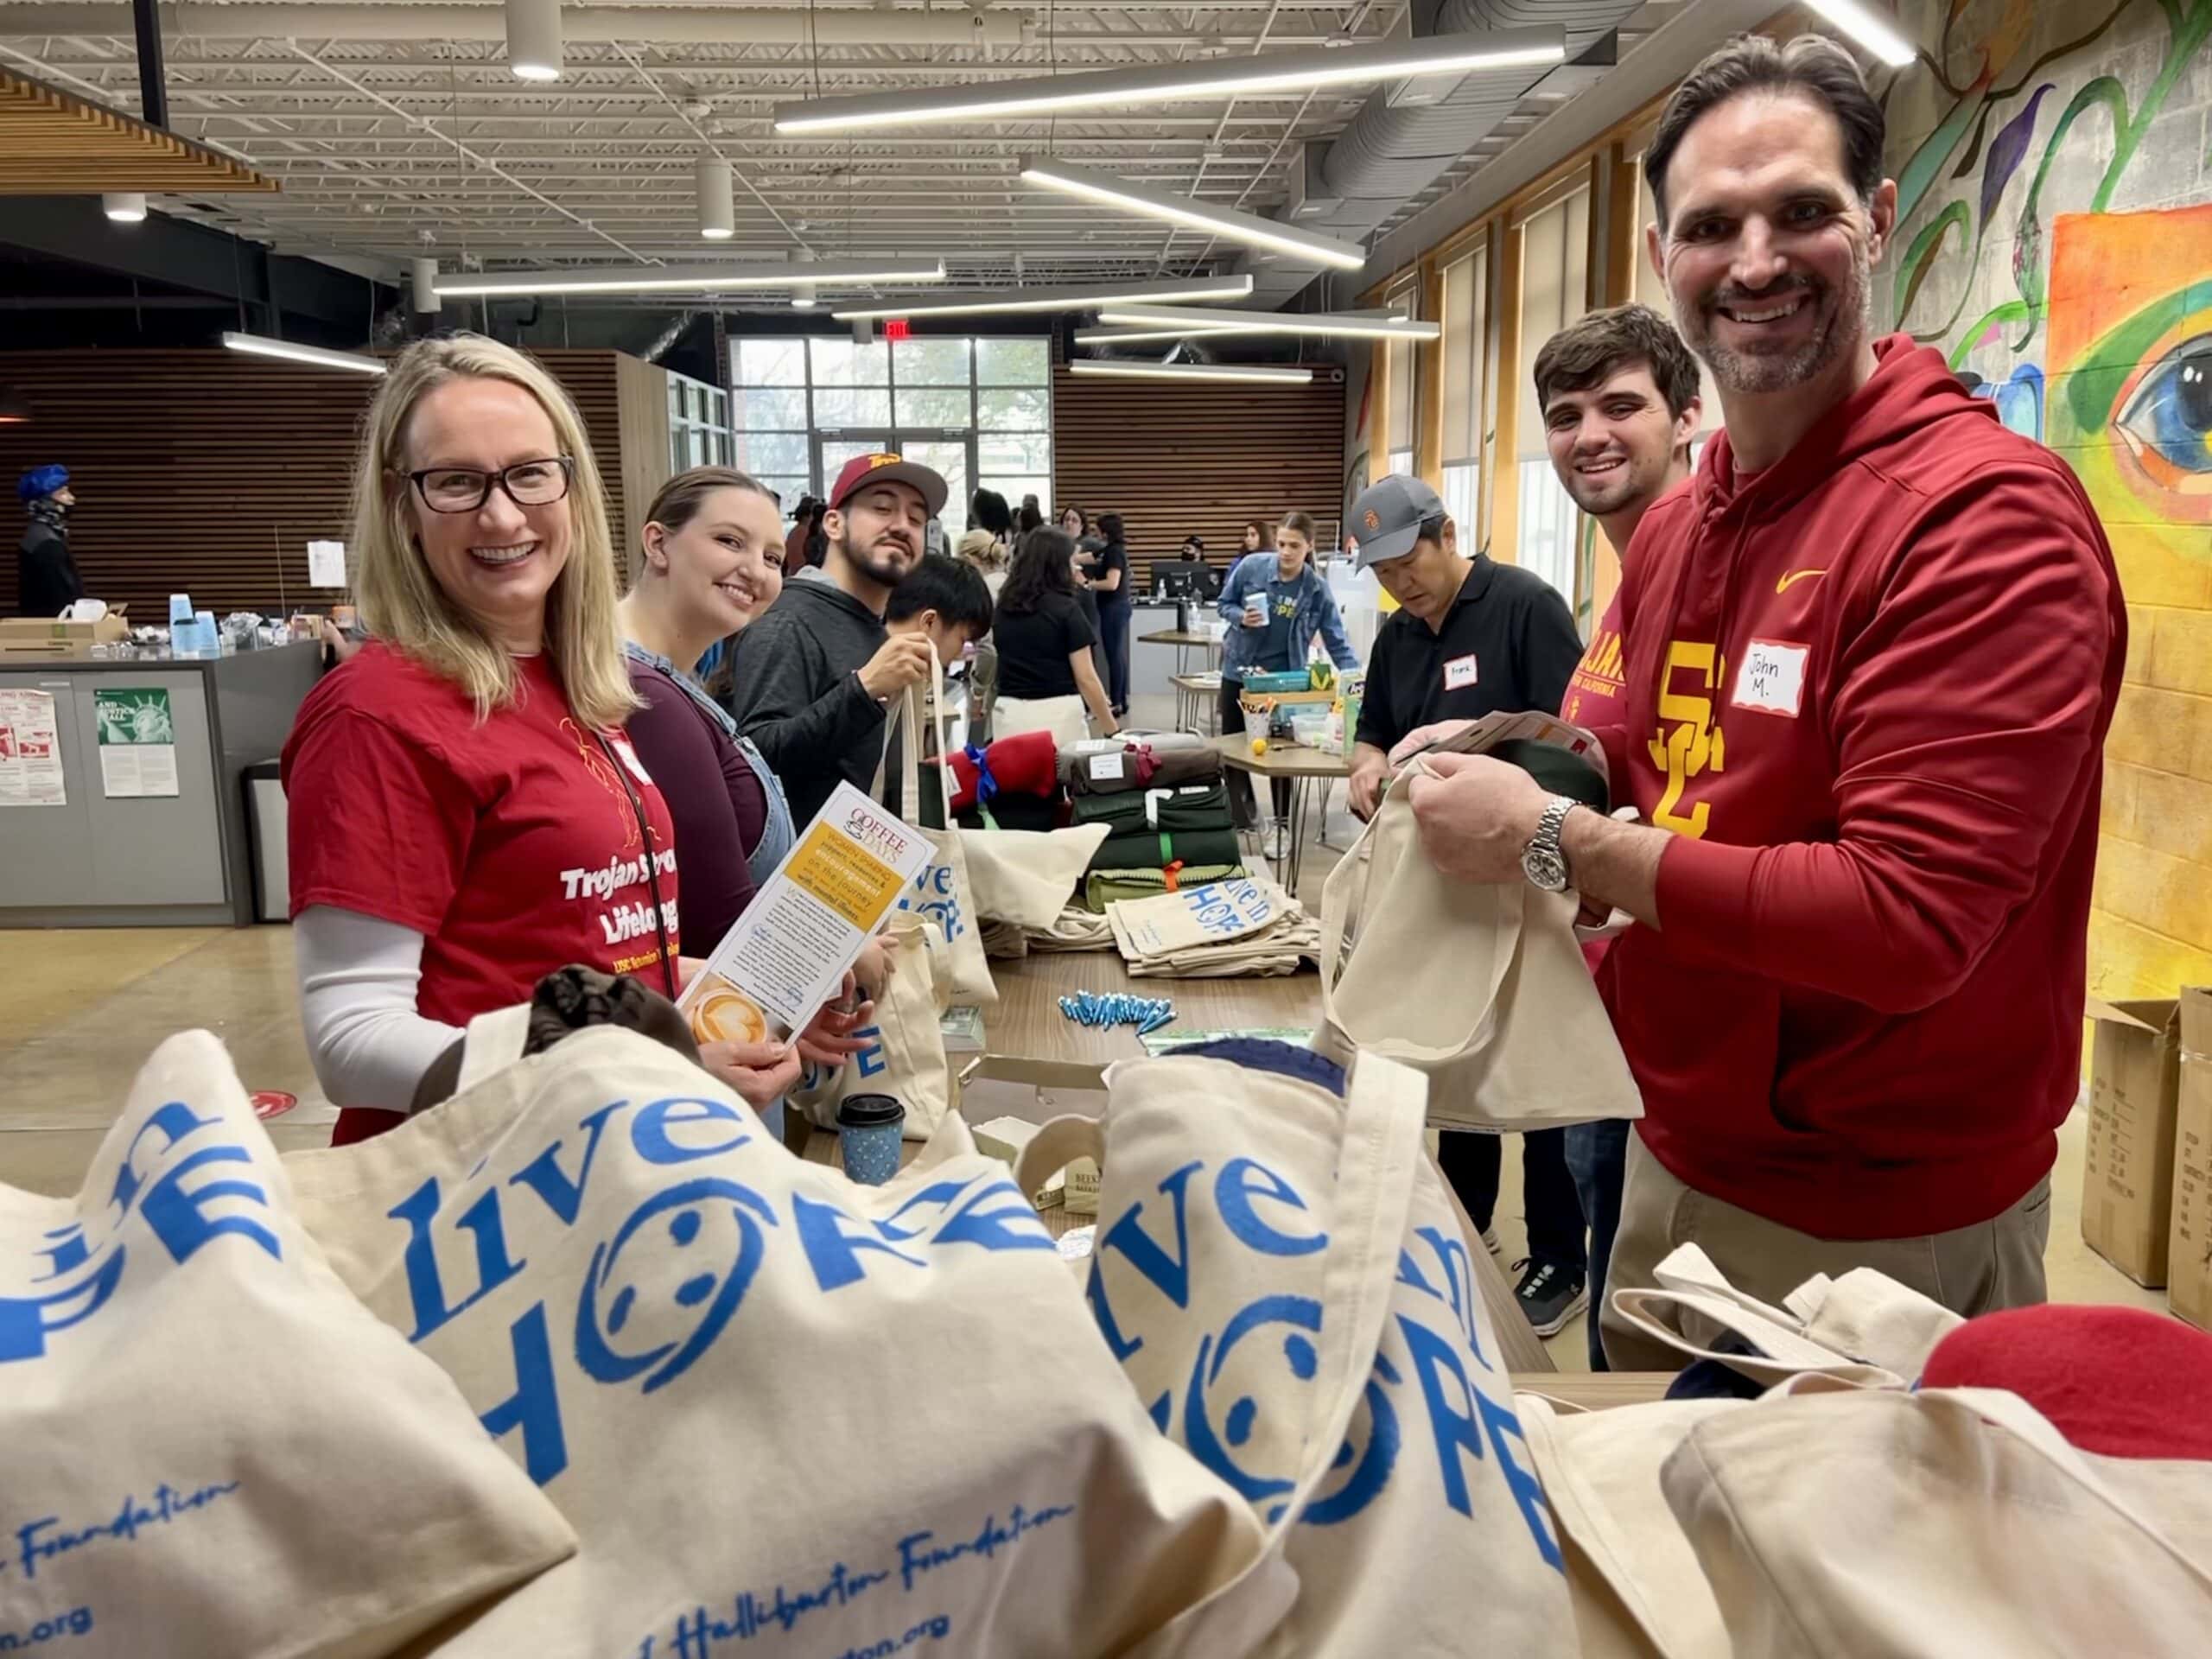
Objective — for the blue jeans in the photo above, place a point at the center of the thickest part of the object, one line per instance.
(1597, 1156)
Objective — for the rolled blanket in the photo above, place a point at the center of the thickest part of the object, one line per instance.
(1149, 850)
(1146, 768)
(1026, 764)
(1192, 806)
(1103, 888)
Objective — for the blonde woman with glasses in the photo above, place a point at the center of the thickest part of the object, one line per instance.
(465, 814)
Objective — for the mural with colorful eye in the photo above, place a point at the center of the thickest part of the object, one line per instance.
(2055, 242)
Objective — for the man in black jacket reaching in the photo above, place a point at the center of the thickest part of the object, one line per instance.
(812, 681)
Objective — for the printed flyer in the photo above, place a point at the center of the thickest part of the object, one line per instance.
(30, 755)
(788, 953)
(137, 742)
(1483, 735)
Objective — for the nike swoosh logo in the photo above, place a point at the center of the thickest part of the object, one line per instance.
(1783, 585)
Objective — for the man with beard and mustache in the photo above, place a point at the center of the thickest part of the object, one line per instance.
(812, 680)
(1871, 655)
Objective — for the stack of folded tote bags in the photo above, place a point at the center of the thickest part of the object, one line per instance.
(1244, 927)
(1162, 800)
(1075, 928)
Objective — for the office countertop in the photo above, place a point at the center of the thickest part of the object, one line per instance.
(80, 660)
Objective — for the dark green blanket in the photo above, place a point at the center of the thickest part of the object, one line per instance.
(1147, 850)
(1196, 806)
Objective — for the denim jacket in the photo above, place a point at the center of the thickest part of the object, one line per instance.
(1316, 613)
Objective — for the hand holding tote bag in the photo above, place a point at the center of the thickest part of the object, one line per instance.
(1507, 1025)
(787, 1415)
(942, 894)
(207, 1445)
(1235, 1209)
(905, 1056)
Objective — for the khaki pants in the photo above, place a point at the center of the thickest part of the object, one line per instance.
(1992, 1264)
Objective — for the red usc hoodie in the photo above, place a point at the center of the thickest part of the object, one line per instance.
(1867, 689)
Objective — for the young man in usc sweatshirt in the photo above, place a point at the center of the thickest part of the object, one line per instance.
(1871, 655)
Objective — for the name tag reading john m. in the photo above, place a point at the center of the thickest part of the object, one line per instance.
(1771, 678)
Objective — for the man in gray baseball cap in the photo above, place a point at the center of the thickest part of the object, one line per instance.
(1470, 637)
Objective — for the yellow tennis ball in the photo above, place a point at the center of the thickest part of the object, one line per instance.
(1259, 746)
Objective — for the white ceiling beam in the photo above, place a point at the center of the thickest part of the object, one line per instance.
(402, 22)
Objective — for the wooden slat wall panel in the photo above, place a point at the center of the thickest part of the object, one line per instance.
(642, 415)
(209, 472)
(1176, 460)
(52, 144)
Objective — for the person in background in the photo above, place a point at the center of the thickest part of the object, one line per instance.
(1075, 523)
(46, 575)
(1276, 605)
(450, 788)
(1106, 573)
(980, 548)
(805, 539)
(1028, 519)
(811, 680)
(987, 510)
(1470, 637)
(1047, 675)
(1618, 392)
(1255, 537)
(1871, 658)
(933, 539)
(1193, 548)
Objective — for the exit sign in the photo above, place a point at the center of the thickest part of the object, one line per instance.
(896, 328)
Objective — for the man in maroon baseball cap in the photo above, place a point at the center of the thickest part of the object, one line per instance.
(813, 676)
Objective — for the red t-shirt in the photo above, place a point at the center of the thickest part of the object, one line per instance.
(511, 845)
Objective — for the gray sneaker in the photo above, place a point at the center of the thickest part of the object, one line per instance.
(1549, 1296)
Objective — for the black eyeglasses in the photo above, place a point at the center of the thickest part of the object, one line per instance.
(464, 489)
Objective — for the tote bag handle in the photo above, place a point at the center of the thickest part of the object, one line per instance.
(905, 719)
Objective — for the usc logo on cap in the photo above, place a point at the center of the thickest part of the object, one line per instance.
(1374, 519)
(874, 461)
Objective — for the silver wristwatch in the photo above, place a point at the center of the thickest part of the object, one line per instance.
(1542, 860)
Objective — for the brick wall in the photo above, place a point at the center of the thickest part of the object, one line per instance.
(2055, 241)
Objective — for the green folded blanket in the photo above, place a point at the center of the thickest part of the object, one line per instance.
(1196, 806)
(1146, 849)
(1104, 888)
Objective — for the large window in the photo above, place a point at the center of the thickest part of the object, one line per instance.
(979, 410)
(1464, 355)
(698, 424)
(1400, 372)
(1554, 290)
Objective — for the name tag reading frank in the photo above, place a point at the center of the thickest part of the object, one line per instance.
(1771, 678)
(1460, 673)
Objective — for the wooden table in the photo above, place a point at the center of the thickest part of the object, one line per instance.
(1197, 702)
(1301, 765)
(1186, 640)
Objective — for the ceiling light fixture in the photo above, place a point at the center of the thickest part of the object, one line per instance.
(1058, 299)
(1250, 373)
(1870, 29)
(717, 203)
(124, 206)
(534, 39)
(1138, 336)
(1312, 324)
(262, 345)
(1231, 222)
(1170, 82)
(1183, 328)
(683, 279)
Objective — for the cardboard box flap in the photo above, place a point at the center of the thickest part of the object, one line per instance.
(2153, 1015)
(2195, 1012)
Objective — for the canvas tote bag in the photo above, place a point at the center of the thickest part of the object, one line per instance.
(207, 1445)
(787, 1415)
(905, 1056)
(1226, 1232)
(1864, 1328)
(941, 894)
(1506, 1023)
(1855, 1523)
(1027, 876)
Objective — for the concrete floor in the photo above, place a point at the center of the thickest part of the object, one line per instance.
(84, 1009)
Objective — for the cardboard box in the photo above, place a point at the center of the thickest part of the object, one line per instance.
(2127, 1172)
(2189, 1283)
(32, 636)
(994, 1086)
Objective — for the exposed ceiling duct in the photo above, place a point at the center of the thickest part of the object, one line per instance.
(1392, 151)
(652, 25)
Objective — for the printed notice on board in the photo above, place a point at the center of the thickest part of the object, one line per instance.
(30, 755)
(326, 564)
(788, 953)
(137, 742)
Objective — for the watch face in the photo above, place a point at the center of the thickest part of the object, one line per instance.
(1544, 868)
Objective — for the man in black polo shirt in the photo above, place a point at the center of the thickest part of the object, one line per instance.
(1470, 637)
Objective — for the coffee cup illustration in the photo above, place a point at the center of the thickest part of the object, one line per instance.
(725, 1014)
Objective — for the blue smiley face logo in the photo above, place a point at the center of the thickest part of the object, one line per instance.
(659, 1293)
(1242, 1373)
